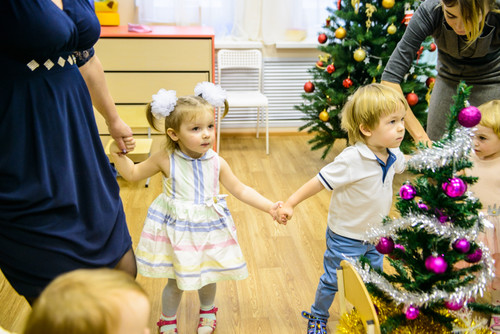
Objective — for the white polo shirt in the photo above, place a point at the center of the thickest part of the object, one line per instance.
(360, 197)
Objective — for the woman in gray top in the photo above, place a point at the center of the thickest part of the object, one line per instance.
(467, 35)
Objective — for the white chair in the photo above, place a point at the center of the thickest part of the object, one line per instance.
(352, 289)
(243, 60)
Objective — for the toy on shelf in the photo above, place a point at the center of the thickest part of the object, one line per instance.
(107, 12)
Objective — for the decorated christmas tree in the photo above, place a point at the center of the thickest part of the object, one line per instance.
(356, 44)
(438, 263)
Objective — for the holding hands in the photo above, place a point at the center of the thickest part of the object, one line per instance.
(128, 145)
(275, 212)
(284, 213)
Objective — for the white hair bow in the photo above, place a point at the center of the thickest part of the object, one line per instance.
(213, 94)
(163, 103)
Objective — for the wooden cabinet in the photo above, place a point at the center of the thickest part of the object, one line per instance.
(137, 65)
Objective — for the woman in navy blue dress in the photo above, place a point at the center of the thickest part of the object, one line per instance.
(59, 200)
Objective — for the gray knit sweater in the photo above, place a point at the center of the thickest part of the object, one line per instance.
(479, 63)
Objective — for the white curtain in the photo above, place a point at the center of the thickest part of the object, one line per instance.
(255, 20)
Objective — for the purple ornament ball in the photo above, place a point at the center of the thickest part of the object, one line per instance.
(475, 256)
(385, 245)
(454, 305)
(469, 117)
(412, 312)
(407, 192)
(441, 216)
(397, 246)
(461, 246)
(436, 264)
(455, 187)
(400, 247)
(422, 206)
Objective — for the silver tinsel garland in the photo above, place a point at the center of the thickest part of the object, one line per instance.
(407, 298)
(445, 152)
(429, 224)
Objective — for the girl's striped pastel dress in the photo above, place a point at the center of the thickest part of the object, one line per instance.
(189, 234)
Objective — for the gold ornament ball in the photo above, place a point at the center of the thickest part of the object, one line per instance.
(388, 4)
(324, 116)
(340, 33)
(359, 55)
(392, 29)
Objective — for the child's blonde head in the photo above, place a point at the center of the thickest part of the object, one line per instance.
(366, 106)
(490, 115)
(83, 301)
(186, 109)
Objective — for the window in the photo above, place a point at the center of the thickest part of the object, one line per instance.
(258, 20)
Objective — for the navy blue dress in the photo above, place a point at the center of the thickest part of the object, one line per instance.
(59, 200)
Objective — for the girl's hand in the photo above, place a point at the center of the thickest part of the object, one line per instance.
(284, 214)
(129, 143)
(119, 130)
(273, 211)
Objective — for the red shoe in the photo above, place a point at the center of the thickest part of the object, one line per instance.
(204, 322)
(162, 323)
(495, 323)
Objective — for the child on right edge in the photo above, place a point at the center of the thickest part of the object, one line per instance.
(360, 178)
(486, 159)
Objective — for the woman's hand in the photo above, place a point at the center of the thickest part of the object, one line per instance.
(122, 134)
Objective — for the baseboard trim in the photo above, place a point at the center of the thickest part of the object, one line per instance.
(275, 131)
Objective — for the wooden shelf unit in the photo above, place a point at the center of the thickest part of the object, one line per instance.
(137, 65)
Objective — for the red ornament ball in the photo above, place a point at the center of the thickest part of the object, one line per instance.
(412, 99)
(436, 264)
(455, 187)
(385, 245)
(432, 47)
(322, 38)
(309, 87)
(319, 63)
(469, 117)
(347, 83)
(330, 68)
(430, 81)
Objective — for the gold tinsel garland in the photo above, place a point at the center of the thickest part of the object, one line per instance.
(351, 323)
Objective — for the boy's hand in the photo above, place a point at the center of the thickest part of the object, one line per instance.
(284, 214)
(274, 210)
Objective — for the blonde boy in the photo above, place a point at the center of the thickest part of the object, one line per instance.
(360, 178)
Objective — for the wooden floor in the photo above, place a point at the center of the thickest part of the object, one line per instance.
(284, 262)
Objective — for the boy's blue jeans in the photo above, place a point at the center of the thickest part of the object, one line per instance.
(337, 248)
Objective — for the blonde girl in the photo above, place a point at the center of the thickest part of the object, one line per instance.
(98, 301)
(189, 235)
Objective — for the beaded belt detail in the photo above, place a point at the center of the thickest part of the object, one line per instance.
(33, 65)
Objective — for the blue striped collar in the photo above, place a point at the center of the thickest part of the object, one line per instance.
(209, 155)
